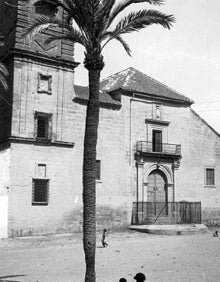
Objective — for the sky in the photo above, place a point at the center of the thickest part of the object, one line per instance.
(185, 58)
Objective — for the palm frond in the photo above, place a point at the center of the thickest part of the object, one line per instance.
(3, 82)
(42, 23)
(124, 44)
(72, 35)
(3, 74)
(3, 69)
(139, 20)
(124, 4)
(102, 15)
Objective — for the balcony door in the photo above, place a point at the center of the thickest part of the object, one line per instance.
(157, 140)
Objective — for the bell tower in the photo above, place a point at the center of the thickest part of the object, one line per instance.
(15, 17)
(41, 76)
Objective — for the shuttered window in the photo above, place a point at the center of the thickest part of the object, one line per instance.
(210, 177)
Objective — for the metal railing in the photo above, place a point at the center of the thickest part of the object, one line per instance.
(166, 213)
(164, 148)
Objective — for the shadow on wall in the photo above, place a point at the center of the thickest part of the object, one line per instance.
(111, 217)
(106, 217)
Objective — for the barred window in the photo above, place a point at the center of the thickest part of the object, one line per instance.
(210, 177)
(40, 191)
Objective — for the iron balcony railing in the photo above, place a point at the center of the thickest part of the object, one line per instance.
(159, 148)
(145, 213)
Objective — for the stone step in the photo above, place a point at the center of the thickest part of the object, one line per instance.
(172, 229)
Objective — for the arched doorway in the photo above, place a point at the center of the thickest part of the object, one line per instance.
(157, 194)
(157, 187)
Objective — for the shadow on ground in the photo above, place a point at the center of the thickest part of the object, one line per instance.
(2, 278)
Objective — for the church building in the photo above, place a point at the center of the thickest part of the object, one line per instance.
(153, 150)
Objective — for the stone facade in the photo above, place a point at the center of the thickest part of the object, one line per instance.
(133, 108)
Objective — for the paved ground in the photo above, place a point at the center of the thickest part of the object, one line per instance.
(161, 257)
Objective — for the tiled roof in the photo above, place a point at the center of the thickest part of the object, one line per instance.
(82, 93)
(132, 81)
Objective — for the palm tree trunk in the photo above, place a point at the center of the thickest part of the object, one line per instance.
(89, 175)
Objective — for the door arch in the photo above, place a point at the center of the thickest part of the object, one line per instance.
(157, 187)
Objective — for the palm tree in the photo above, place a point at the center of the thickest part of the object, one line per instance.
(89, 23)
(3, 74)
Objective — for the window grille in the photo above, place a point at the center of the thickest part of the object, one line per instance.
(40, 191)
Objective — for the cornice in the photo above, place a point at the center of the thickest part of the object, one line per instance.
(46, 143)
(37, 57)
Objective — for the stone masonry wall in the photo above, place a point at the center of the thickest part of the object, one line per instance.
(27, 100)
(119, 130)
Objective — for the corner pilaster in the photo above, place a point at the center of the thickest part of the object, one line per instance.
(139, 194)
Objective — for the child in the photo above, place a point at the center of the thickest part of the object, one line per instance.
(140, 277)
(103, 240)
(215, 234)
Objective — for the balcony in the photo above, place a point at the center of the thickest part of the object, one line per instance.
(161, 150)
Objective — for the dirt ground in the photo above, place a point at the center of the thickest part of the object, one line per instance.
(161, 257)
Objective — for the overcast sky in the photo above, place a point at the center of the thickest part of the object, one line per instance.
(185, 58)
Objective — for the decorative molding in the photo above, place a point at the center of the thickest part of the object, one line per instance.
(44, 83)
(58, 61)
(166, 171)
(23, 140)
(157, 121)
(45, 47)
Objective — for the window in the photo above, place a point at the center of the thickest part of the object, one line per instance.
(40, 191)
(209, 177)
(157, 140)
(44, 83)
(40, 186)
(45, 10)
(98, 169)
(43, 126)
(41, 170)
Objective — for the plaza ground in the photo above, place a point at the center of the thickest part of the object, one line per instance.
(161, 257)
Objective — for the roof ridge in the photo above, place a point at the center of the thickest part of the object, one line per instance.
(116, 73)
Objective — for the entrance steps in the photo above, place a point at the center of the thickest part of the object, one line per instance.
(174, 229)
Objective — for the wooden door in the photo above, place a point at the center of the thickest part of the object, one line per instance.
(156, 189)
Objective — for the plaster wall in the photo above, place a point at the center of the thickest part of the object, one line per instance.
(64, 191)
(4, 184)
